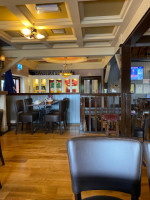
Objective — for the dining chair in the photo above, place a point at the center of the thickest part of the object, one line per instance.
(66, 111)
(102, 163)
(24, 117)
(147, 158)
(56, 117)
(139, 132)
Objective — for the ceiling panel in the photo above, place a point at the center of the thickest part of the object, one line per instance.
(98, 30)
(68, 31)
(102, 8)
(14, 33)
(7, 15)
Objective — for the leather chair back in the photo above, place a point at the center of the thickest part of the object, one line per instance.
(62, 108)
(27, 102)
(98, 163)
(19, 106)
(147, 158)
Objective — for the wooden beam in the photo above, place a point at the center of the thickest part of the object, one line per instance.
(139, 30)
(125, 69)
(14, 62)
(118, 60)
(37, 53)
(107, 73)
(72, 8)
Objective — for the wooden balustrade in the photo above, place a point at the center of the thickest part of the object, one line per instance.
(93, 106)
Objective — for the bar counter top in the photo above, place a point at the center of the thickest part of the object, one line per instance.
(17, 94)
(3, 93)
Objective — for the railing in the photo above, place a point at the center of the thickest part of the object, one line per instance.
(92, 108)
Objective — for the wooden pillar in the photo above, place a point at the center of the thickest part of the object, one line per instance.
(125, 69)
(125, 89)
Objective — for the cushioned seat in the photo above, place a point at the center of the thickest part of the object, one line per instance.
(28, 117)
(25, 117)
(147, 158)
(57, 117)
(102, 163)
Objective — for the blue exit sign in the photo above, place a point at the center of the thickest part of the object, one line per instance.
(19, 66)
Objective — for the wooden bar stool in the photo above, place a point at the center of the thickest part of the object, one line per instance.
(111, 123)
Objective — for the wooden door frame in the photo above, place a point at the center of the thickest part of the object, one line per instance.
(91, 78)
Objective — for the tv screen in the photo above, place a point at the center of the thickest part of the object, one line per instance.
(136, 73)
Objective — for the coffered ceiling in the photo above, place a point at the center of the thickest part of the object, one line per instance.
(85, 26)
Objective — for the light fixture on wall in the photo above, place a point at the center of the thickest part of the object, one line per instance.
(32, 33)
(2, 60)
(65, 72)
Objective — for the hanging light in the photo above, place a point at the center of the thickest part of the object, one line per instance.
(65, 72)
(2, 60)
(32, 33)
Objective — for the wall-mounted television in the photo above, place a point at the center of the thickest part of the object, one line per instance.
(136, 73)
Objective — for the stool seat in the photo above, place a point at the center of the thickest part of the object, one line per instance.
(111, 121)
(111, 117)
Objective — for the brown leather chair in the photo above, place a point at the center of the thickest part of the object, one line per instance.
(102, 163)
(25, 117)
(147, 158)
(67, 106)
(138, 131)
(57, 117)
(28, 108)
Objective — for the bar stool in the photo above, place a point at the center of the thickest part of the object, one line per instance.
(111, 123)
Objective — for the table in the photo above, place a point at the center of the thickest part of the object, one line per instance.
(45, 105)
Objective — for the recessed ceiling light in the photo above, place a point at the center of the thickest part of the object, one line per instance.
(56, 31)
(47, 7)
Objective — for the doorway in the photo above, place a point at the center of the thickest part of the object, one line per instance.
(91, 84)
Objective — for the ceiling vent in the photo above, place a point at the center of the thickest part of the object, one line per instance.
(47, 7)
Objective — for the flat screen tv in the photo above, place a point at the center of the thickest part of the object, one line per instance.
(136, 73)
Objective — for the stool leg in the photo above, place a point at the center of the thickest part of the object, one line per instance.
(0, 185)
(1, 155)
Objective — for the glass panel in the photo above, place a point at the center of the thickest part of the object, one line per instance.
(17, 86)
(43, 85)
(51, 85)
(87, 86)
(74, 85)
(94, 86)
(67, 85)
(2, 85)
(59, 86)
(36, 85)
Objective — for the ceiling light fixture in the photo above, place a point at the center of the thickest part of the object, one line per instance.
(2, 60)
(65, 72)
(32, 33)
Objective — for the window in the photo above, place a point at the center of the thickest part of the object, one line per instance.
(16, 82)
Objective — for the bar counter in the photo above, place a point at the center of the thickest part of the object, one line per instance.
(73, 110)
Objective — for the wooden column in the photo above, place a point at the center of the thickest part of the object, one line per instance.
(125, 69)
(125, 89)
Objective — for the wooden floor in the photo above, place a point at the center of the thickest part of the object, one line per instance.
(36, 168)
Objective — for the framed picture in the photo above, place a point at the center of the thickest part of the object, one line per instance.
(132, 88)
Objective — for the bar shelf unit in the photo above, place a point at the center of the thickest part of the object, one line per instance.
(54, 84)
